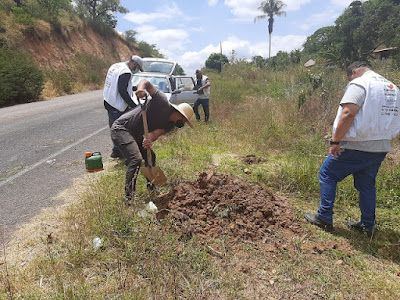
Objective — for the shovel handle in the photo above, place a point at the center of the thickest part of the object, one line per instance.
(146, 135)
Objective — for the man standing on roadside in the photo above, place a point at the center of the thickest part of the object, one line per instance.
(203, 89)
(128, 130)
(367, 119)
(118, 90)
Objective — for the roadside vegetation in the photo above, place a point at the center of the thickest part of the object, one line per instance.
(57, 20)
(253, 112)
(273, 109)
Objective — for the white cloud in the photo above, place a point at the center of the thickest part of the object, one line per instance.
(167, 40)
(318, 20)
(163, 13)
(341, 3)
(212, 2)
(295, 4)
(327, 16)
(244, 49)
(248, 9)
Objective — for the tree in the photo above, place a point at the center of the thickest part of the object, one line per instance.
(100, 11)
(258, 61)
(216, 60)
(271, 8)
(18, 3)
(379, 27)
(179, 70)
(346, 26)
(50, 9)
(320, 41)
(130, 36)
(280, 60)
(147, 50)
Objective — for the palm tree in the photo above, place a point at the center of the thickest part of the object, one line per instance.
(271, 8)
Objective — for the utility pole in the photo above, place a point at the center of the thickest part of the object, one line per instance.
(220, 56)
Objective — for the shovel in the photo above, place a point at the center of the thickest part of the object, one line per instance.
(152, 173)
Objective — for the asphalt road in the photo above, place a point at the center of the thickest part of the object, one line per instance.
(43, 147)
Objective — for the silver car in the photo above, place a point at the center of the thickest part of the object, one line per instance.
(178, 89)
(159, 65)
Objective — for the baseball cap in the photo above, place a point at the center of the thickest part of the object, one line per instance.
(138, 60)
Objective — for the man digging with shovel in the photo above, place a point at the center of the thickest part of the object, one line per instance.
(134, 133)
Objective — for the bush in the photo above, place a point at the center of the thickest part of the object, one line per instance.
(61, 81)
(21, 16)
(20, 80)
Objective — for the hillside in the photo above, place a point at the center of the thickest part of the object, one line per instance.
(72, 56)
(56, 50)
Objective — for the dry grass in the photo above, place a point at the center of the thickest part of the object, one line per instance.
(54, 257)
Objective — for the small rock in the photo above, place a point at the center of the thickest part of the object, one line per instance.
(97, 243)
(247, 171)
(340, 262)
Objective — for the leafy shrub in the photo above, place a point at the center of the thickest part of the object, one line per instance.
(20, 80)
(21, 16)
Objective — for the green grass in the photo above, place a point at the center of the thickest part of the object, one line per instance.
(143, 260)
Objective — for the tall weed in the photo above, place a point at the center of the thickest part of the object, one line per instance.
(273, 125)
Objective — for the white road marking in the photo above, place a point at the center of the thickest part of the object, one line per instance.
(49, 158)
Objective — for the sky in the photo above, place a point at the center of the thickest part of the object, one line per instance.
(188, 31)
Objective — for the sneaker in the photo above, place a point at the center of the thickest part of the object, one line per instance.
(115, 154)
(128, 201)
(150, 186)
(360, 227)
(313, 219)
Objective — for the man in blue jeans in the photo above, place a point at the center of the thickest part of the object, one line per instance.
(366, 121)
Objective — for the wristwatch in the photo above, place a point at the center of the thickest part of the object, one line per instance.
(333, 143)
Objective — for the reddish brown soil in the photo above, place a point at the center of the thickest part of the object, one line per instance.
(217, 205)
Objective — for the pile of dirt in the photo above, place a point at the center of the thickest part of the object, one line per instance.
(216, 205)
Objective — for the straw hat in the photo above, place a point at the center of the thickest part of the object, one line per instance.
(185, 110)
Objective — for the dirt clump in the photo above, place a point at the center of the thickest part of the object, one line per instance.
(216, 205)
(251, 159)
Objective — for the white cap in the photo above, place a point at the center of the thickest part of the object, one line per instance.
(138, 60)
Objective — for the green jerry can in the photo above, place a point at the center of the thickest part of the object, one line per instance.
(93, 161)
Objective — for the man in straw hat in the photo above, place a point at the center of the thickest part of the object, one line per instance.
(128, 130)
(118, 90)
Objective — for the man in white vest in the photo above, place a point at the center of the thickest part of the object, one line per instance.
(203, 89)
(366, 121)
(117, 91)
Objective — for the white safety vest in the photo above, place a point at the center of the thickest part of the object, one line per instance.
(378, 118)
(206, 91)
(110, 92)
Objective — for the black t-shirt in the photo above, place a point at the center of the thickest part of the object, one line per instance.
(158, 112)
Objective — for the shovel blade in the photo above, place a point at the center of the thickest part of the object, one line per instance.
(155, 175)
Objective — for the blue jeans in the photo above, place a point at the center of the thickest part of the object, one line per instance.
(364, 167)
